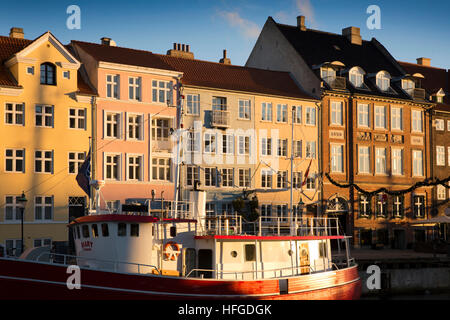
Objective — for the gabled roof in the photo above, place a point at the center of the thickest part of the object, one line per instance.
(434, 78)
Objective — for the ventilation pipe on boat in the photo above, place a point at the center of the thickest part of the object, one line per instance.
(198, 200)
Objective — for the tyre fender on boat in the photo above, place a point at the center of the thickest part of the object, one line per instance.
(171, 250)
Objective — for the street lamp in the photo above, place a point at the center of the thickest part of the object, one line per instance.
(23, 201)
(301, 204)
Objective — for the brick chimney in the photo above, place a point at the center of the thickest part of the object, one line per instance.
(108, 42)
(16, 33)
(353, 35)
(181, 51)
(301, 23)
(424, 61)
(225, 60)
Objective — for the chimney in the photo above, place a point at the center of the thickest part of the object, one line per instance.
(225, 60)
(108, 42)
(301, 23)
(181, 51)
(424, 61)
(16, 33)
(353, 35)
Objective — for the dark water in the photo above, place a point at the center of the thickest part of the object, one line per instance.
(440, 296)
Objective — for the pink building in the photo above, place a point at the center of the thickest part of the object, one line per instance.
(133, 117)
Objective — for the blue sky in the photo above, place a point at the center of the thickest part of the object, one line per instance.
(409, 29)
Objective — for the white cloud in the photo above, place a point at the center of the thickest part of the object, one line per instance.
(248, 28)
(307, 10)
(302, 7)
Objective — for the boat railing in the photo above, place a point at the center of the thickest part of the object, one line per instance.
(229, 224)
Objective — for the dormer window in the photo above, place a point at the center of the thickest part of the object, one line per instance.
(439, 99)
(383, 80)
(408, 85)
(328, 74)
(48, 73)
(356, 76)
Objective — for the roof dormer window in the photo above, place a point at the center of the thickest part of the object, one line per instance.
(383, 80)
(48, 73)
(356, 77)
(408, 85)
(328, 74)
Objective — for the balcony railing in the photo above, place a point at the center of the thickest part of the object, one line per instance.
(336, 82)
(419, 93)
(220, 118)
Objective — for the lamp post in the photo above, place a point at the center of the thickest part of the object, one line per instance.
(23, 201)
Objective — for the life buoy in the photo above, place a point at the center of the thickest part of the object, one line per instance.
(171, 250)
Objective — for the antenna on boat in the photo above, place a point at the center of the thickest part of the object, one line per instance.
(179, 139)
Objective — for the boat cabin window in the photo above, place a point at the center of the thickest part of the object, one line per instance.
(94, 231)
(85, 230)
(233, 254)
(134, 230)
(322, 249)
(77, 231)
(122, 230)
(105, 230)
(250, 252)
(173, 231)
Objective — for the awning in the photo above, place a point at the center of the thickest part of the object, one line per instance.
(433, 221)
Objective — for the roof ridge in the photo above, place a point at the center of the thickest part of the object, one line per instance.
(102, 45)
(420, 65)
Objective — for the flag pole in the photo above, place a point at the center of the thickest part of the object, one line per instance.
(90, 173)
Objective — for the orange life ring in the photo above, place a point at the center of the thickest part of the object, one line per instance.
(171, 250)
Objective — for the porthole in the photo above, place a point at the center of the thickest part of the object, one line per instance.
(233, 254)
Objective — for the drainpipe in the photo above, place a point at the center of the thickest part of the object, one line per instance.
(319, 159)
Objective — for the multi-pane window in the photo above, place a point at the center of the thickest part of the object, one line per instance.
(441, 192)
(244, 109)
(15, 160)
(357, 77)
(266, 111)
(382, 206)
(14, 113)
(135, 166)
(364, 159)
(42, 242)
(281, 179)
(77, 118)
(227, 177)
(135, 126)
(397, 161)
(297, 180)
(364, 206)
(440, 155)
(282, 147)
(76, 159)
(161, 168)
(363, 115)
(193, 141)
(417, 162)
(210, 143)
(448, 155)
(192, 175)
(396, 118)
(266, 212)
(193, 104)
(160, 129)
(419, 206)
(227, 144)
(282, 113)
(162, 91)
(311, 182)
(266, 178)
(337, 158)
(43, 208)
(397, 206)
(337, 113)
(134, 88)
(439, 123)
(219, 104)
(380, 117)
(112, 86)
(266, 146)
(112, 166)
(416, 121)
(297, 148)
(13, 209)
(383, 81)
(210, 177)
(48, 73)
(44, 116)
(310, 150)
(380, 160)
(243, 145)
(297, 114)
(310, 116)
(244, 178)
(43, 161)
(282, 212)
(112, 125)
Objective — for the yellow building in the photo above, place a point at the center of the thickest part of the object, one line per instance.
(45, 125)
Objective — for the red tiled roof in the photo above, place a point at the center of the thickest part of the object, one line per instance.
(8, 47)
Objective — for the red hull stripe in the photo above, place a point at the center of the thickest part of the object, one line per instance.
(223, 237)
(126, 218)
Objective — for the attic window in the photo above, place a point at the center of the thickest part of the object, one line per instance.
(356, 76)
(66, 74)
(48, 73)
(383, 80)
(30, 70)
(408, 85)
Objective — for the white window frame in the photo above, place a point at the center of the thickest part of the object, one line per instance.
(43, 205)
(381, 161)
(439, 123)
(14, 113)
(15, 208)
(440, 155)
(266, 111)
(14, 158)
(337, 164)
(298, 148)
(244, 145)
(310, 149)
(106, 163)
(227, 176)
(364, 159)
(193, 104)
(282, 113)
(161, 88)
(266, 179)
(245, 110)
(139, 124)
(383, 80)
(298, 114)
(210, 143)
(76, 161)
(43, 159)
(137, 168)
(441, 192)
(266, 146)
(416, 121)
(417, 167)
(396, 161)
(113, 84)
(161, 132)
(310, 116)
(356, 77)
(363, 115)
(44, 116)
(115, 121)
(282, 147)
(244, 177)
(228, 144)
(135, 88)
(210, 176)
(167, 166)
(77, 117)
(380, 117)
(397, 118)
(337, 113)
(192, 174)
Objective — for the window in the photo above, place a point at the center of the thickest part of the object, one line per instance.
(397, 161)
(30, 70)
(419, 206)
(43, 161)
(122, 229)
(337, 158)
(440, 156)
(356, 76)
(282, 179)
(310, 150)
(298, 148)
(397, 206)
(94, 229)
(408, 85)
(77, 118)
(44, 116)
(380, 160)
(266, 111)
(328, 74)
(416, 118)
(193, 141)
(192, 175)
(297, 180)
(282, 148)
(14, 113)
(266, 179)
(85, 230)
(48, 73)
(13, 209)
(282, 211)
(282, 113)
(417, 163)
(210, 143)
(439, 124)
(162, 92)
(363, 115)
(364, 206)
(396, 118)
(250, 252)
(383, 81)
(210, 209)
(134, 230)
(311, 182)
(112, 125)
(441, 192)
(244, 109)
(382, 206)
(193, 104)
(266, 212)
(448, 125)
(266, 146)
(112, 166)
(227, 177)
(310, 116)
(210, 177)
(13, 247)
(244, 178)
(160, 129)
(43, 208)
(112, 86)
(15, 160)
(66, 74)
(134, 88)
(227, 144)
(161, 169)
(297, 114)
(243, 145)
(219, 104)
(448, 155)
(42, 242)
(380, 117)
(336, 113)
(135, 167)
(135, 127)
(105, 230)
(364, 159)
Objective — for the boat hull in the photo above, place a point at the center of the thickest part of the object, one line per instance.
(20, 279)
